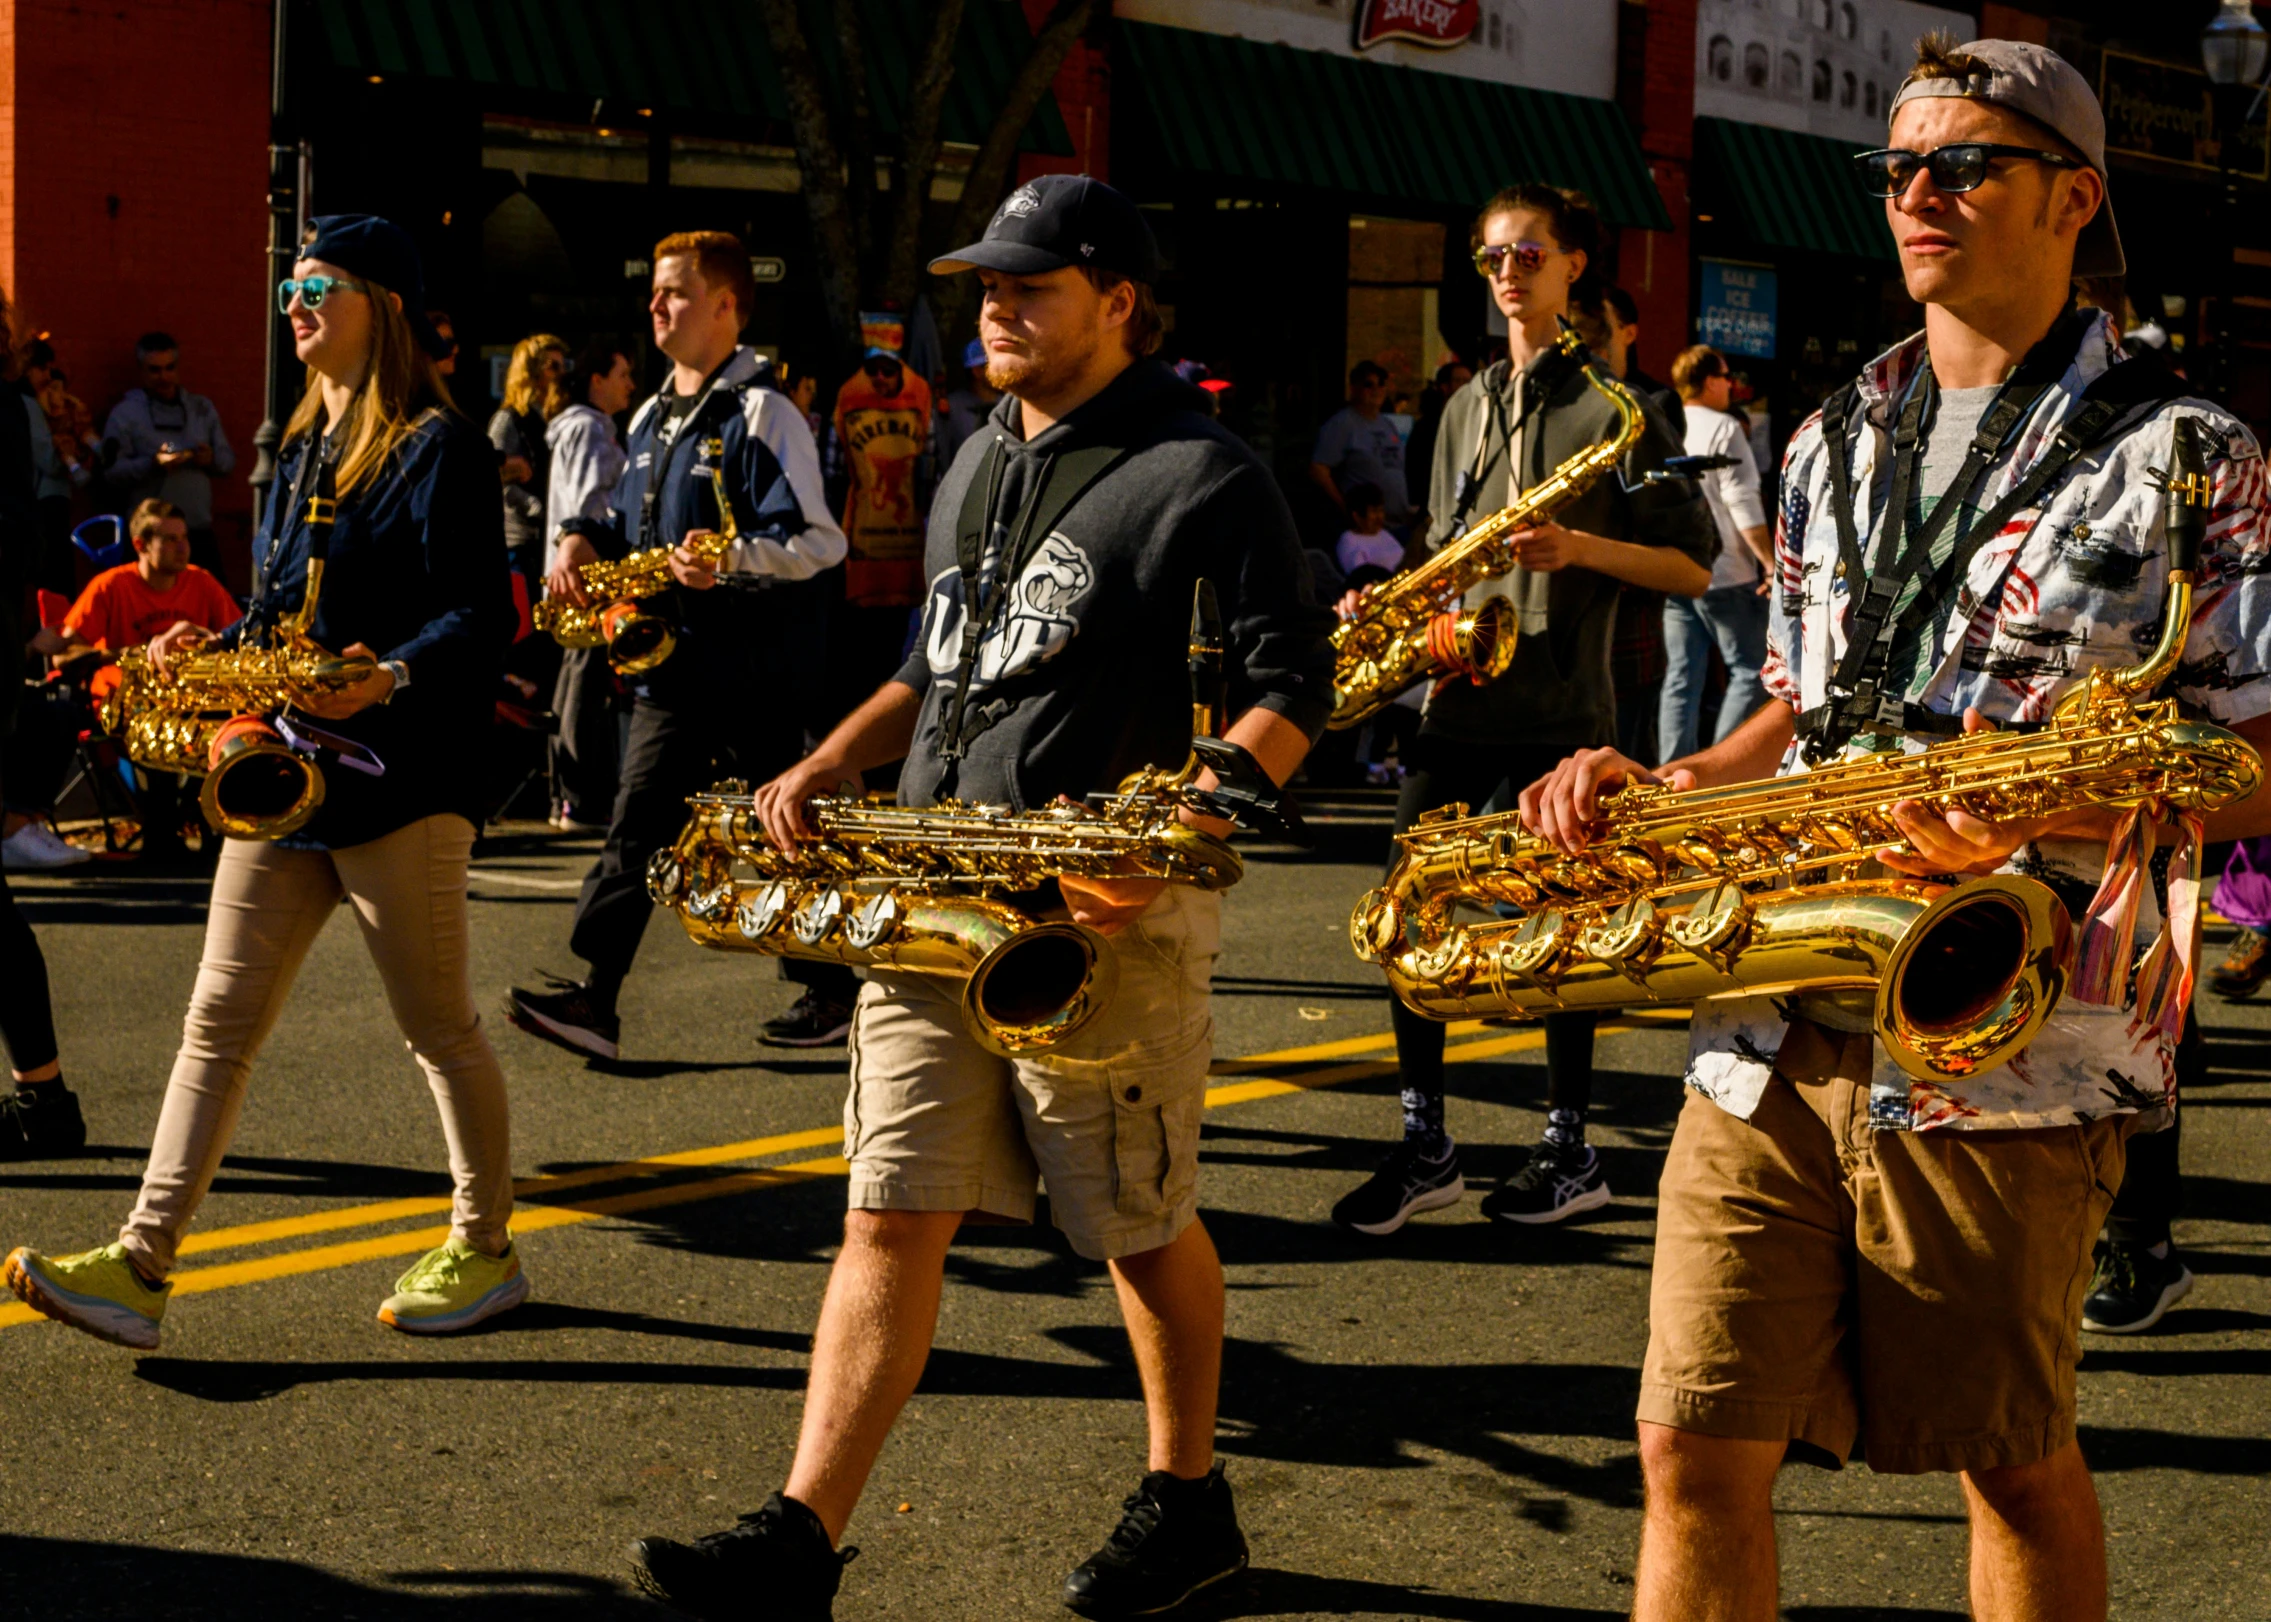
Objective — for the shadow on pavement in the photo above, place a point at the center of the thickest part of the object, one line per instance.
(252, 1174)
(55, 1578)
(2108, 1450)
(1267, 1592)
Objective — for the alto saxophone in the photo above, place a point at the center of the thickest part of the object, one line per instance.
(1410, 626)
(931, 891)
(635, 641)
(1750, 888)
(216, 714)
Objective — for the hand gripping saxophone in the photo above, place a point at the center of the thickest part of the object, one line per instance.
(219, 714)
(636, 641)
(931, 891)
(1751, 888)
(1410, 627)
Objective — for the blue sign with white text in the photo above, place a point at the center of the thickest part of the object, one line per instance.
(1736, 312)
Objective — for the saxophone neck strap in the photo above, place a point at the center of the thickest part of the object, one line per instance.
(671, 426)
(1858, 700)
(314, 505)
(1535, 387)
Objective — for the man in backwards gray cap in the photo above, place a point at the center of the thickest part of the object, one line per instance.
(1847, 1250)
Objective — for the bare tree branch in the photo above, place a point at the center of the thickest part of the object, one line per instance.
(859, 137)
(990, 169)
(820, 164)
(919, 144)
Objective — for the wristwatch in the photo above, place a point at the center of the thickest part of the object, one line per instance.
(401, 674)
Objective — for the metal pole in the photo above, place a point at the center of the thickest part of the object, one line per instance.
(284, 166)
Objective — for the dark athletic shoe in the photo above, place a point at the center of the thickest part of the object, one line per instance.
(1176, 1538)
(39, 1121)
(565, 1017)
(776, 1563)
(2132, 1289)
(1405, 1185)
(1555, 1184)
(2244, 967)
(814, 1022)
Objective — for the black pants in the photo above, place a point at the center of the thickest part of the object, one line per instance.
(584, 748)
(2152, 1193)
(675, 751)
(27, 1018)
(36, 756)
(1443, 772)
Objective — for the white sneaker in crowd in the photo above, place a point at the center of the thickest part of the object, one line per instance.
(34, 846)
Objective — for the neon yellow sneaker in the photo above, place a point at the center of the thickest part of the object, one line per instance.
(454, 1287)
(97, 1291)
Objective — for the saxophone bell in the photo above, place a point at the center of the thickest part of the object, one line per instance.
(635, 641)
(256, 785)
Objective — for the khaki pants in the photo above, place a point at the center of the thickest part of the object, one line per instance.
(408, 894)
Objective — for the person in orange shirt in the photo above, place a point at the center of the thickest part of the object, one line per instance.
(127, 606)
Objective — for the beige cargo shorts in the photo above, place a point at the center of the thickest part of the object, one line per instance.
(1109, 1120)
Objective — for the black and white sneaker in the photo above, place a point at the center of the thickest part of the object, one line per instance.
(776, 1563)
(2132, 1289)
(1555, 1184)
(1175, 1538)
(1406, 1184)
(40, 1121)
(565, 1017)
(812, 1022)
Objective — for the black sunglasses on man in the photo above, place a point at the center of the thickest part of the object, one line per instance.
(1958, 167)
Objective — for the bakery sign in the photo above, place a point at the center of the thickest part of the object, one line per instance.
(1438, 23)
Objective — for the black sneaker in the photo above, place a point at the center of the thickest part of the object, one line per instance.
(1554, 1184)
(1176, 1538)
(814, 1022)
(39, 1121)
(2132, 1288)
(565, 1017)
(777, 1562)
(1406, 1184)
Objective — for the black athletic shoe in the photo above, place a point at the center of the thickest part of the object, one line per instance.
(1404, 1185)
(2133, 1287)
(40, 1121)
(1554, 1184)
(814, 1022)
(564, 1016)
(776, 1563)
(1176, 1538)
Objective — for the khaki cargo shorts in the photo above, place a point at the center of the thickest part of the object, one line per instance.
(1109, 1120)
(1817, 1280)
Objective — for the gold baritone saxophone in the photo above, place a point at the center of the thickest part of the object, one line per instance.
(1752, 888)
(935, 891)
(216, 714)
(1411, 627)
(635, 641)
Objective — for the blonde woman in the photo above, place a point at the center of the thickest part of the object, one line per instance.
(411, 580)
(536, 391)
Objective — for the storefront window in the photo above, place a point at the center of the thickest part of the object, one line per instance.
(1395, 274)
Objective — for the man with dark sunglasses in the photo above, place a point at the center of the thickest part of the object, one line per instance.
(1844, 1252)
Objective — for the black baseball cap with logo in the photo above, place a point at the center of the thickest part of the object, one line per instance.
(1057, 220)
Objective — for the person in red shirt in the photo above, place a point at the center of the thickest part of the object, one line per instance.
(127, 606)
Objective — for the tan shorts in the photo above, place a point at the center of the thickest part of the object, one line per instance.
(1816, 1279)
(1110, 1119)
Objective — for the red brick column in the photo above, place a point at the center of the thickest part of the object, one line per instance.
(1656, 88)
(1084, 95)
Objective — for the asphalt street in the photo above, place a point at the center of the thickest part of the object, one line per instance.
(1436, 1425)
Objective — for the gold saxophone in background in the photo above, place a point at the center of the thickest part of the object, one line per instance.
(930, 891)
(1410, 627)
(1751, 888)
(213, 715)
(635, 641)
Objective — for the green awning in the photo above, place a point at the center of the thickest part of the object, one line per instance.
(1790, 190)
(1274, 114)
(564, 55)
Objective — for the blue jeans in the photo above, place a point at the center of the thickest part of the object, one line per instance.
(1735, 618)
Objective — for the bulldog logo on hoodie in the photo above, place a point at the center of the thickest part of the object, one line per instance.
(1037, 624)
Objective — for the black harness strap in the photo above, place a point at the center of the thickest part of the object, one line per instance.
(674, 427)
(1545, 378)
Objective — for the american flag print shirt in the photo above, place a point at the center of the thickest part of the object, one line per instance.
(2076, 582)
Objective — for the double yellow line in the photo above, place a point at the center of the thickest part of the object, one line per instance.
(539, 1207)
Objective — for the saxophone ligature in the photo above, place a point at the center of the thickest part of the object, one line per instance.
(636, 640)
(1411, 627)
(1753, 888)
(930, 891)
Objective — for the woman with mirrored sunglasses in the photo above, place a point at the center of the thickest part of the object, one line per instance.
(396, 493)
(1502, 433)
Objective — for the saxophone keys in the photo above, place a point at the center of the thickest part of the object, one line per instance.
(1537, 953)
(1716, 928)
(1376, 927)
(761, 911)
(666, 878)
(713, 905)
(874, 921)
(818, 915)
(1629, 939)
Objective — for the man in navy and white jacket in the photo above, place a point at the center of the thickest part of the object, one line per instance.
(701, 714)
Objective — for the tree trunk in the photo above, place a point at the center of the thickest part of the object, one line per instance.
(919, 144)
(859, 142)
(820, 165)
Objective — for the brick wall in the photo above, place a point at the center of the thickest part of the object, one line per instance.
(1656, 88)
(1084, 95)
(133, 178)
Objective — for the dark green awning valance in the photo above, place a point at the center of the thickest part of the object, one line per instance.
(1790, 190)
(569, 54)
(1274, 114)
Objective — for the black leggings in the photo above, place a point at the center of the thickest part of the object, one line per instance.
(27, 1019)
(2151, 1191)
(1442, 772)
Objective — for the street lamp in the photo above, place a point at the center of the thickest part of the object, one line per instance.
(2232, 51)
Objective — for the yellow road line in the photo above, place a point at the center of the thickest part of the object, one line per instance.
(534, 1218)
